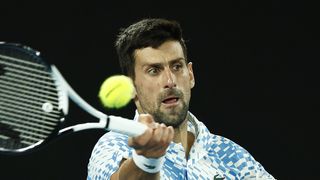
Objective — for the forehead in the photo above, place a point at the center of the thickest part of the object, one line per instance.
(167, 51)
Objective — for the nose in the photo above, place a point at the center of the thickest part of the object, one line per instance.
(170, 79)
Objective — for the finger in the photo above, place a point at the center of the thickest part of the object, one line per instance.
(165, 133)
(158, 146)
(159, 150)
(158, 133)
(167, 136)
(142, 140)
(170, 134)
(160, 138)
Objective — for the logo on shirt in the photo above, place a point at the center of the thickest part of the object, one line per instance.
(218, 177)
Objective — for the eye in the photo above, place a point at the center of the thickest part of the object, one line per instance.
(177, 66)
(153, 71)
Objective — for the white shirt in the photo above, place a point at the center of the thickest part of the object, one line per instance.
(211, 157)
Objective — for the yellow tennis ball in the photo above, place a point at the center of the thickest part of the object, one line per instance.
(116, 91)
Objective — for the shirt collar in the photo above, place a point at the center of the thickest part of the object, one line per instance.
(202, 142)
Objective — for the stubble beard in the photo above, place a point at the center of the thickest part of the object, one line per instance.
(170, 117)
(174, 118)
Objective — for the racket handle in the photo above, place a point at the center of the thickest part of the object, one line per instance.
(126, 126)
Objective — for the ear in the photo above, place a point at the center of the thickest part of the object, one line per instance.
(191, 75)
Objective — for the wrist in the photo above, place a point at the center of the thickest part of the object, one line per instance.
(150, 165)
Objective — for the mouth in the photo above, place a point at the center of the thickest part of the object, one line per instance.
(171, 100)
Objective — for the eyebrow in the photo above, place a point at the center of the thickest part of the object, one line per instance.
(170, 62)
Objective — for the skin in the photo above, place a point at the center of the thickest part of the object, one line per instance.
(163, 83)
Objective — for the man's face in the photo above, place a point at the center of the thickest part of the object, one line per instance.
(163, 83)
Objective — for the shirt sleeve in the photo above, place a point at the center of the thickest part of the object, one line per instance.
(106, 156)
(236, 162)
(250, 169)
(254, 170)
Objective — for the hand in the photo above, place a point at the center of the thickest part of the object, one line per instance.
(153, 143)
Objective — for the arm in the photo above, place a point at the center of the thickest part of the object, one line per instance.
(152, 144)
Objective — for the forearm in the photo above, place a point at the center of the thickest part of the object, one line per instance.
(148, 154)
(128, 170)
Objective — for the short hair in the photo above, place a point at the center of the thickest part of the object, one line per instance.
(150, 32)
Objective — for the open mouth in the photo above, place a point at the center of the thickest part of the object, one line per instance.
(170, 100)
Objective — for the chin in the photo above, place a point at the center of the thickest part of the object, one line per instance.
(174, 119)
(172, 115)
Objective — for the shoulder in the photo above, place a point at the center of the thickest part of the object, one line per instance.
(221, 148)
(223, 142)
(218, 145)
(237, 159)
(228, 149)
(231, 157)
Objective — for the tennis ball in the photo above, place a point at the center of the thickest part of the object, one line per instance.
(116, 91)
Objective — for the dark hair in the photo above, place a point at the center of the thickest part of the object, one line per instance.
(145, 33)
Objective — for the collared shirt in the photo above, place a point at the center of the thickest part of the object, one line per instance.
(211, 157)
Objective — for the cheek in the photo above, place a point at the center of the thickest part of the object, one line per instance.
(187, 94)
(186, 84)
(147, 91)
(186, 89)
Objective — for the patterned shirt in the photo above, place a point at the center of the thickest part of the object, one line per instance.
(211, 157)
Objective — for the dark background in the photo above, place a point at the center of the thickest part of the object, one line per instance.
(255, 64)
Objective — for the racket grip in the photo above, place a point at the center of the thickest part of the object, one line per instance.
(126, 126)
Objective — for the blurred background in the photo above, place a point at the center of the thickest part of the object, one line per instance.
(255, 64)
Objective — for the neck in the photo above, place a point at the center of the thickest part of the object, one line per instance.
(181, 135)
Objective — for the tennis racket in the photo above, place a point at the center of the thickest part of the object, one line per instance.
(34, 101)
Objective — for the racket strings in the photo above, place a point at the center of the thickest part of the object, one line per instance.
(21, 74)
(26, 86)
(1, 69)
(37, 129)
(22, 71)
(27, 92)
(32, 117)
(30, 108)
(23, 97)
(23, 61)
(24, 67)
(34, 104)
(28, 77)
(27, 127)
(28, 83)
